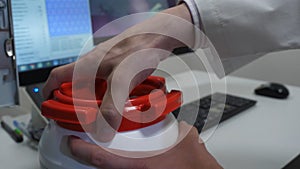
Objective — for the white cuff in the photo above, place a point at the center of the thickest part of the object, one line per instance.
(196, 20)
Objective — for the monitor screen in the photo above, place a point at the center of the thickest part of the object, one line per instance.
(50, 33)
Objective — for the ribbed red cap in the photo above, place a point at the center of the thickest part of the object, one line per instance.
(138, 111)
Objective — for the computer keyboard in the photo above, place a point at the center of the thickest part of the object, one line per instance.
(212, 110)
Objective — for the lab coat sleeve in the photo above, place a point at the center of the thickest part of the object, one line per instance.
(243, 30)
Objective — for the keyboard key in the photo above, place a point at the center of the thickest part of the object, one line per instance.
(213, 109)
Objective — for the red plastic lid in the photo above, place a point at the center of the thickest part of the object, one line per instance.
(137, 112)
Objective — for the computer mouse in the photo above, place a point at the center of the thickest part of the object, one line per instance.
(274, 90)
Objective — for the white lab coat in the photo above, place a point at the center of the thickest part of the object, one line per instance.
(243, 30)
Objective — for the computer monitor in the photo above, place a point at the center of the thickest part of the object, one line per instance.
(51, 33)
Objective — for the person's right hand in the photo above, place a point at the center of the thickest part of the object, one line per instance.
(124, 62)
(189, 153)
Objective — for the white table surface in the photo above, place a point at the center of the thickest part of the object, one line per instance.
(16, 156)
(266, 136)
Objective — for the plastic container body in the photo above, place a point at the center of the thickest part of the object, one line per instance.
(147, 123)
(54, 152)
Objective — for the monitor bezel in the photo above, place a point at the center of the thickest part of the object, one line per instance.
(34, 76)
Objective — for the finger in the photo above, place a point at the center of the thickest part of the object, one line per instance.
(99, 157)
(85, 67)
(57, 76)
(127, 74)
(112, 106)
(108, 122)
(187, 131)
(120, 83)
(192, 138)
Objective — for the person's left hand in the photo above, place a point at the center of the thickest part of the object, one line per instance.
(189, 153)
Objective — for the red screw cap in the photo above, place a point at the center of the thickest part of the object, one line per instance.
(138, 111)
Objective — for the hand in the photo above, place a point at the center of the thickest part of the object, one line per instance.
(189, 153)
(125, 61)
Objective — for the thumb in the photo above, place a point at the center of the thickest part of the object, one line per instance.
(128, 74)
(110, 116)
(111, 110)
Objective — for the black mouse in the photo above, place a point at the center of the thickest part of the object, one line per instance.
(274, 90)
